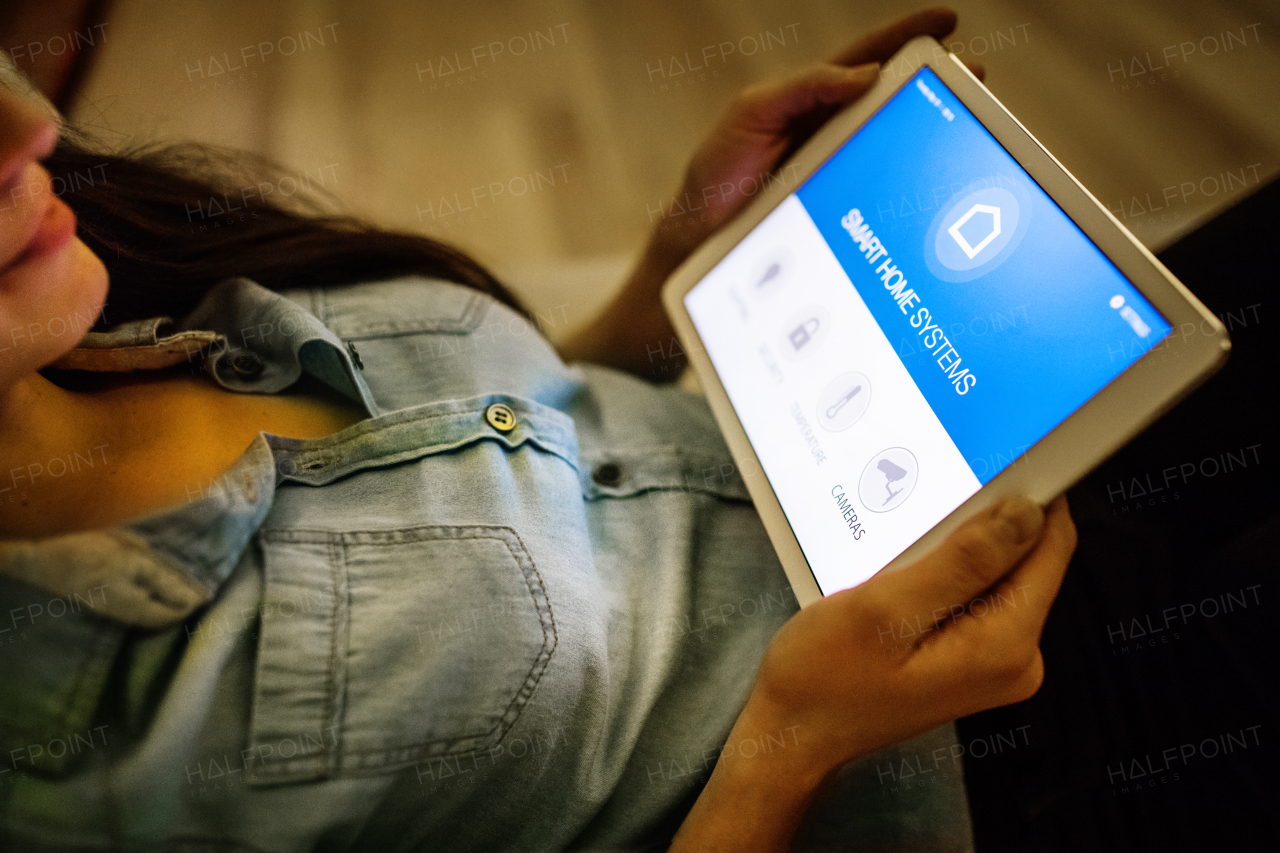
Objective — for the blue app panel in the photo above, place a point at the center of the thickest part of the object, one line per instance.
(1007, 317)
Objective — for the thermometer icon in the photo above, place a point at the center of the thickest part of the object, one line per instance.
(835, 407)
(843, 401)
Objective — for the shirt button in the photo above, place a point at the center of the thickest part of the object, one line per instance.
(500, 417)
(246, 365)
(355, 356)
(607, 474)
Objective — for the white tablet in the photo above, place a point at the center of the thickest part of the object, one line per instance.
(932, 315)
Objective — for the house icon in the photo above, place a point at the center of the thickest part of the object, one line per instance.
(970, 250)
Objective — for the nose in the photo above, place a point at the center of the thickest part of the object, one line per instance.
(27, 133)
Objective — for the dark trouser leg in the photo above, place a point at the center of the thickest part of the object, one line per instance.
(1155, 727)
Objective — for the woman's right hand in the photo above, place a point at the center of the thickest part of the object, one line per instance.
(955, 633)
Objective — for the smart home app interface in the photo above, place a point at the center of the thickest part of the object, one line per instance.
(905, 326)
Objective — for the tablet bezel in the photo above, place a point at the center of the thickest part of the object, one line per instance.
(1197, 346)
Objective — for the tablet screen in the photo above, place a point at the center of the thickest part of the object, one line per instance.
(907, 324)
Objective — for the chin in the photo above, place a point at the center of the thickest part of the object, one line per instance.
(91, 274)
(83, 298)
(51, 305)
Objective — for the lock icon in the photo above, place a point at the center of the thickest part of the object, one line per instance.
(802, 334)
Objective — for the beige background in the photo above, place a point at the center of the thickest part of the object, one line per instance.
(365, 102)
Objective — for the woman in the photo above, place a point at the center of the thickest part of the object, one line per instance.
(454, 594)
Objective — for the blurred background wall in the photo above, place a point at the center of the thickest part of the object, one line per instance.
(547, 137)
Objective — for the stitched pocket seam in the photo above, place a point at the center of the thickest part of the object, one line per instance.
(338, 759)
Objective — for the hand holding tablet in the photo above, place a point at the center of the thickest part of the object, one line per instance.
(929, 250)
(845, 679)
(929, 323)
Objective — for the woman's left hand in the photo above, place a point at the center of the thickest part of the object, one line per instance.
(763, 126)
(769, 121)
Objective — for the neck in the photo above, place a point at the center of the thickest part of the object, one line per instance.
(48, 435)
(37, 416)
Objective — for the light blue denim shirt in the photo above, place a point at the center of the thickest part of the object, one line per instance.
(518, 607)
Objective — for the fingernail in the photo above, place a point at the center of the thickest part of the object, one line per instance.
(1019, 519)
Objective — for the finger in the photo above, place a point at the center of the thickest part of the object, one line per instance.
(968, 563)
(1034, 583)
(1000, 642)
(884, 43)
(1014, 610)
(773, 106)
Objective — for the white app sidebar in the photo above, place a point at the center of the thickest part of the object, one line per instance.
(859, 461)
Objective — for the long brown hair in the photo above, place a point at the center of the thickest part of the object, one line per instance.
(154, 217)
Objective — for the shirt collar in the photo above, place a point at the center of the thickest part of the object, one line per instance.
(250, 339)
(159, 568)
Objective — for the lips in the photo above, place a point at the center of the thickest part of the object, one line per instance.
(56, 228)
(57, 225)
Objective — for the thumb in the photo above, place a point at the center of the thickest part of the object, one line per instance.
(968, 562)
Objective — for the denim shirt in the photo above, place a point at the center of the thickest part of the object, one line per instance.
(518, 607)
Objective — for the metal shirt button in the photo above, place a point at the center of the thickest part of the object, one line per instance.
(500, 417)
(245, 365)
(607, 474)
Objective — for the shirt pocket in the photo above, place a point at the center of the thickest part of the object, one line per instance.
(339, 694)
(383, 645)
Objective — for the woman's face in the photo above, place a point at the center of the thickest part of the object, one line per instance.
(51, 286)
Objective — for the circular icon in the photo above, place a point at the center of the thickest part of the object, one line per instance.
(888, 479)
(977, 232)
(844, 401)
(770, 274)
(804, 332)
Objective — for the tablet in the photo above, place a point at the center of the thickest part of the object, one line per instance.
(924, 313)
